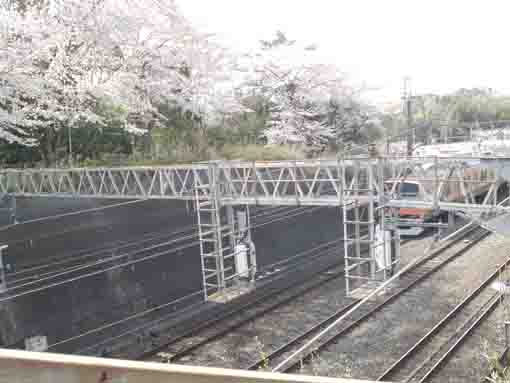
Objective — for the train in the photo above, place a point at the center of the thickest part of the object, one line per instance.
(476, 182)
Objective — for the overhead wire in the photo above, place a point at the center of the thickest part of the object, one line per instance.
(126, 264)
(98, 272)
(150, 325)
(95, 252)
(189, 228)
(72, 213)
(107, 247)
(126, 319)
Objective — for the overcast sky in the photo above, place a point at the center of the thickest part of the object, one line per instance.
(441, 44)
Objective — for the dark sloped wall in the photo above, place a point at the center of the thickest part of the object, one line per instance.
(72, 308)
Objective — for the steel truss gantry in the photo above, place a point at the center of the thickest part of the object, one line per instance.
(307, 182)
(366, 189)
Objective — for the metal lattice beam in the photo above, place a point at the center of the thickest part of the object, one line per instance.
(308, 182)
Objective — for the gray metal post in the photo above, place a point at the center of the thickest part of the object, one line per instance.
(253, 250)
(436, 185)
(343, 196)
(451, 220)
(371, 219)
(3, 281)
(357, 231)
(233, 230)
(382, 215)
(14, 211)
(215, 196)
(70, 143)
(507, 326)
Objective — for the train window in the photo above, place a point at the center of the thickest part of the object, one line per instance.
(409, 189)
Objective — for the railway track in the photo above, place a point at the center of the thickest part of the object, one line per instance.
(36, 279)
(419, 272)
(291, 278)
(183, 346)
(425, 357)
(178, 346)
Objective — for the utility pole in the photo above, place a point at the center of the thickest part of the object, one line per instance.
(70, 144)
(407, 98)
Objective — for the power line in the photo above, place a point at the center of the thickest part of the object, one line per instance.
(3, 228)
(123, 320)
(108, 247)
(79, 267)
(125, 264)
(113, 258)
(154, 323)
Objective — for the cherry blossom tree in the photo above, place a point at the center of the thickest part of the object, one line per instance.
(300, 90)
(58, 59)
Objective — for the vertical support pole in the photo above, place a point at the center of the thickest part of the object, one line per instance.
(201, 242)
(507, 334)
(253, 250)
(70, 146)
(382, 214)
(343, 203)
(436, 185)
(3, 281)
(14, 214)
(162, 188)
(495, 193)
(232, 230)
(408, 108)
(451, 221)
(371, 219)
(210, 230)
(215, 197)
(355, 193)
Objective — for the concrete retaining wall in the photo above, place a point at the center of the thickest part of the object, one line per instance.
(72, 308)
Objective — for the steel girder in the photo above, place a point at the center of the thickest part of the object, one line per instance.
(307, 182)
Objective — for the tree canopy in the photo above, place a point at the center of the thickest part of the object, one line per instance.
(82, 68)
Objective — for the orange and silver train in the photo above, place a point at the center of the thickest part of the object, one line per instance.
(475, 182)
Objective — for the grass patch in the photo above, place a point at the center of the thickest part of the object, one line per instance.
(249, 152)
(260, 153)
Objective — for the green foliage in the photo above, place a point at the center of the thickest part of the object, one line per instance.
(460, 111)
(90, 140)
(498, 370)
(261, 152)
(12, 155)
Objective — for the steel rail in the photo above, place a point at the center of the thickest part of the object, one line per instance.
(271, 307)
(285, 347)
(393, 369)
(173, 340)
(463, 337)
(481, 233)
(190, 348)
(239, 308)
